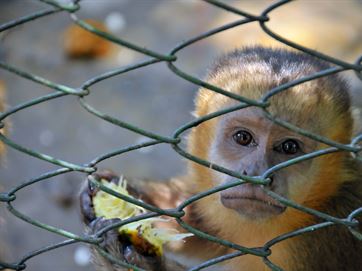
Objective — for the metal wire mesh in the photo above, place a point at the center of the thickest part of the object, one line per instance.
(174, 140)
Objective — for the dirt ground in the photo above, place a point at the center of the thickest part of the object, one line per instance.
(152, 98)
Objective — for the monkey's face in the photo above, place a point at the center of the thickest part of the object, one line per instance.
(247, 142)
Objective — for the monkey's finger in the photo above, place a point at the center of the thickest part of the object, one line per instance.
(106, 174)
(89, 191)
(111, 237)
(146, 262)
(86, 205)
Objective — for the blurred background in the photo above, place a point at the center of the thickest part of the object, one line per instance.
(152, 97)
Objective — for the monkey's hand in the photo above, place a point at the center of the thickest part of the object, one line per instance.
(123, 251)
(113, 244)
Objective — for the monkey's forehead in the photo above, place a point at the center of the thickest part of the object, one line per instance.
(255, 81)
(311, 105)
(278, 60)
(253, 71)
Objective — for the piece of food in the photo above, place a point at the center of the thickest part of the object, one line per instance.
(142, 234)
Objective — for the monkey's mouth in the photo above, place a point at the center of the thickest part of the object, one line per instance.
(250, 200)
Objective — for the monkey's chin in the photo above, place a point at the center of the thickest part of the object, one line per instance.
(251, 202)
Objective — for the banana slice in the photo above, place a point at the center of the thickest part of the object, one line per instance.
(147, 239)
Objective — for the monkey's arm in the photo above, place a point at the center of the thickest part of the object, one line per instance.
(162, 195)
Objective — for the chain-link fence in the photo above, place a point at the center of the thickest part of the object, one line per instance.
(175, 140)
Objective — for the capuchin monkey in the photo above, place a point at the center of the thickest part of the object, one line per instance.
(247, 142)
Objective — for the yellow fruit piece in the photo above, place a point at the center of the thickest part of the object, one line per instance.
(142, 234)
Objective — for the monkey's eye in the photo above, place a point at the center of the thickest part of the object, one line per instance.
(243, 138)
(289, 146)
